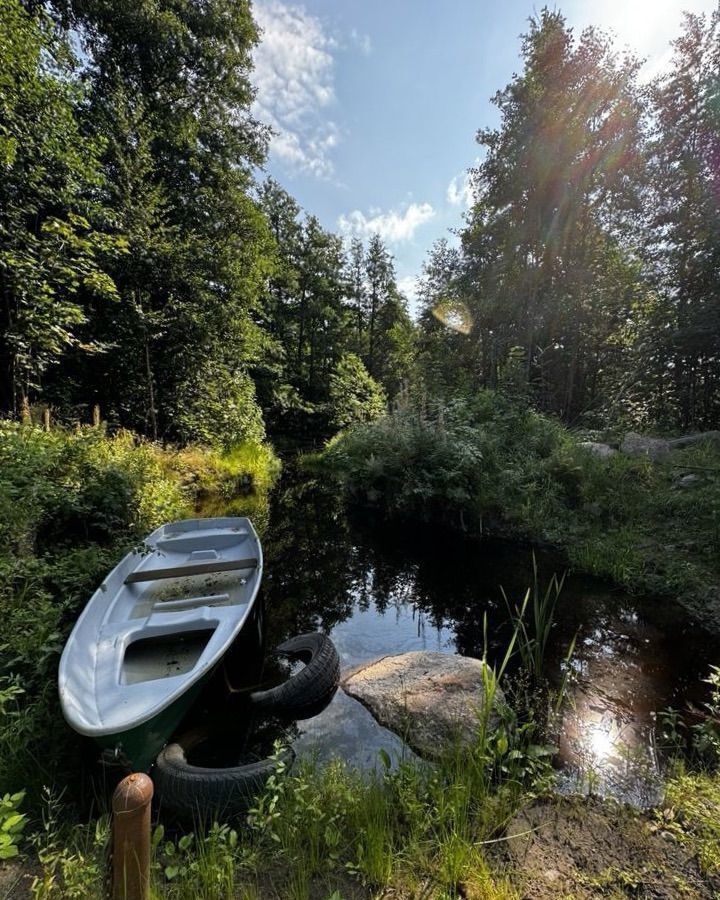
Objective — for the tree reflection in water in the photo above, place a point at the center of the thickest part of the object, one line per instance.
(379, 588)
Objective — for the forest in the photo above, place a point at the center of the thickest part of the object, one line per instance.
(148, 267)
(175, 331)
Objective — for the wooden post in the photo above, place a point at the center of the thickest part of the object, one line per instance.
(96, 415)
(25, 416)
(131, 838)
(46, 418)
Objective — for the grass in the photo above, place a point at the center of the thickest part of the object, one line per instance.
(692, 814)
(316, 833)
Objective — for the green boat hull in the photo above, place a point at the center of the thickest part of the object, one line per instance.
(140, 746)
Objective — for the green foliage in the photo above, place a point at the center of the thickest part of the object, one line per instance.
(692, 815)
(354, 395)
(51, 248)
(492, 465)
(12, 824)
(540, 287)
(466, 463)
(73, 858)
(218, 407)
(678, 348)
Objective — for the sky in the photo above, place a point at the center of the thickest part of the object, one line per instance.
(375, 104)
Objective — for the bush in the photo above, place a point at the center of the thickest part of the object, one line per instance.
(466, 462)
(355, 396)
(218, 407)
(492, 464)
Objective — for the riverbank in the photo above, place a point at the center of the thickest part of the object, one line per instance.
(72, 502)
(332, 834)
(490, 467)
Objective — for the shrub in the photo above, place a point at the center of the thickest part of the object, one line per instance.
(355, 396)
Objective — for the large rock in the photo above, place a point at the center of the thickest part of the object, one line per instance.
(432, 700)
(689, 440)
(658, 449)
(634, 444)
(603, 451)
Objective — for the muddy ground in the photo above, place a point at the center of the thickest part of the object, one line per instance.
(590, 848)
(560, 849)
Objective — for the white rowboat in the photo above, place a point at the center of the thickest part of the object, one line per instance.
(155, 630)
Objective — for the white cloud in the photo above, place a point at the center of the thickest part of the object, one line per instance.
(362, 41)
(394, 226)
(410, 289)
(294, 76)
(459, 191)
(408, 285)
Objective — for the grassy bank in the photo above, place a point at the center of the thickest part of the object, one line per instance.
(414, 832)
(315, 833)
(71, 503)
(492, 466)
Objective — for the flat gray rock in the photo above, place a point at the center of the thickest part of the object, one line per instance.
(603, 451)
(690, 440)
(432, 700)
(634, 444)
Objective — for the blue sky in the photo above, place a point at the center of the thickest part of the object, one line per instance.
(375, 105)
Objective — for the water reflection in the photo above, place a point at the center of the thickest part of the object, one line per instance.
(380, 590)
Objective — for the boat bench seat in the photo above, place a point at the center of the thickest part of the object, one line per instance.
(202, 568)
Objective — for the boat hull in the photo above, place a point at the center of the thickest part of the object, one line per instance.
(139, 747)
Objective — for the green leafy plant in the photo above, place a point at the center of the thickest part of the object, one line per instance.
(12, 824)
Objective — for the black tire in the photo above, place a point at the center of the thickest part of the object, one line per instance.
(309, 691)
(199, 794)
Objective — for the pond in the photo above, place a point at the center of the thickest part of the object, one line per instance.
(379, 589)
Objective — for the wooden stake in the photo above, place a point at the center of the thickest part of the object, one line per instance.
(96, 415)
(46, 418)
(131, 838)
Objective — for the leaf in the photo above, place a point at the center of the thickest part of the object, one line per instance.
(14, 823)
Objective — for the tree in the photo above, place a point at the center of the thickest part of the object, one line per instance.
(357, 294)
(170, 93)
(355, 396)
(555, 197)
(684, 238)
(380, 281)
(447, 352)
(52, 243)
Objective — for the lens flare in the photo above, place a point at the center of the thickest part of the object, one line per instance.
(454, 314)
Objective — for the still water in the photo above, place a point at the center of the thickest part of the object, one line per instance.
(379, 589)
